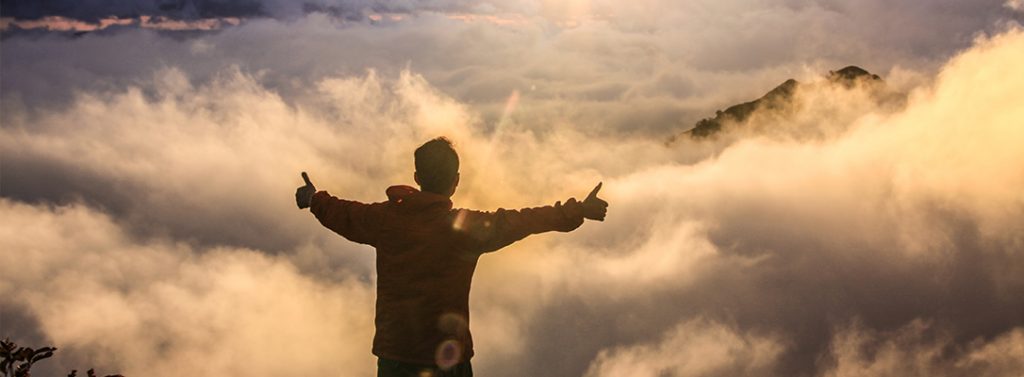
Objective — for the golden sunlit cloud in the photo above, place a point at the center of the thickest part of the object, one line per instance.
(149, 227)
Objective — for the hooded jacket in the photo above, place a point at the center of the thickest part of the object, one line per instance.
(426, 254)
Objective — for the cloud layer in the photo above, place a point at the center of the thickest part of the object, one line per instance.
(160, 308)
(623, 67)
(148, 220)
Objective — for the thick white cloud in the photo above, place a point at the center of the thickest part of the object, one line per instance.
(694, 348)
(161, 308)
(918, 349)
(649, 67)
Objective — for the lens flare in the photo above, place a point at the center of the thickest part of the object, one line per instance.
(449, 353)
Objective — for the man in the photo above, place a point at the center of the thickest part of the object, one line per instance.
(426, 255)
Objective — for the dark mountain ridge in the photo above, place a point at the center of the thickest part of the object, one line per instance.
(779, 98)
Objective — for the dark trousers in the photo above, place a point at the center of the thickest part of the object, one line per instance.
(392, 368)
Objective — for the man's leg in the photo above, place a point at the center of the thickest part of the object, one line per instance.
(464, 369)
(392, 368)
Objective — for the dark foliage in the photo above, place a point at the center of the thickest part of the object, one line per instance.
(17, 361)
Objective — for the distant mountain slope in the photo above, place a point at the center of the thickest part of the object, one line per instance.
(776, 99)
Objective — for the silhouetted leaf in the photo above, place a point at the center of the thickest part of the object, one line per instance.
(42, 355)
(7, 346)
(23, 354)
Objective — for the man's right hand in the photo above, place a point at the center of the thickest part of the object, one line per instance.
(595, 208)
(304, 194)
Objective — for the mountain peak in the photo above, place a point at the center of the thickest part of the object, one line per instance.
(851, 74)
(777, 98)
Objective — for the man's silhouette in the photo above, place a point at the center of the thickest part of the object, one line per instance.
(426, 254)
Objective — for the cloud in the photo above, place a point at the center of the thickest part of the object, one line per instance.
(159, 198)
(1015, 4)
(629, 69)
(895, 219)
(161, 308)
(167, 157)
(93, 11)
(917, 349)
(694, 348)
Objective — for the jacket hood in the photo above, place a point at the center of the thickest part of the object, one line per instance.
(411, 199)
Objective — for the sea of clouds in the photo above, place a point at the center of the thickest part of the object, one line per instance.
(149, 228)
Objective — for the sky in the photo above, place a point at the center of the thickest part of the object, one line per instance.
(149, 151)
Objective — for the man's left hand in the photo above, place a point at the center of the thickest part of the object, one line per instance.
(304, 194)
(595, 208)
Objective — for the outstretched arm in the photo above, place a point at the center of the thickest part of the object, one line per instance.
(353, 220)
(490, 231)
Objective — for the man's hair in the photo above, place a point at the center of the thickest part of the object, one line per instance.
(437, 164)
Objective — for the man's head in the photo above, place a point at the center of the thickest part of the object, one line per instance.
(437, 167)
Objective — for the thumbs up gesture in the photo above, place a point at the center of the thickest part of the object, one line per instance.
(304, 194)
(595, 208)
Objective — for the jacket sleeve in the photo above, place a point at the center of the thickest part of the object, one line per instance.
(490, 231)
(358, 222)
